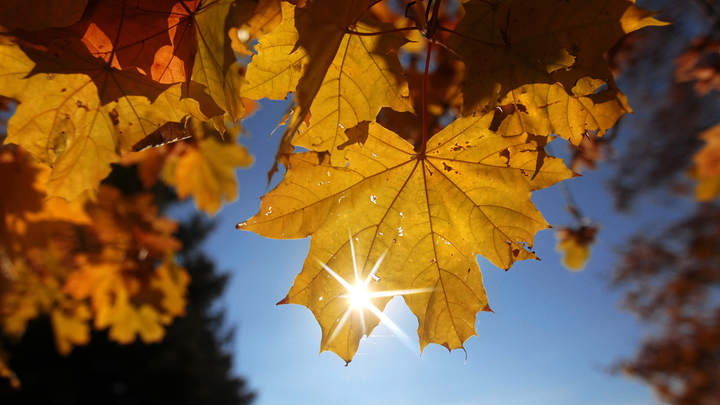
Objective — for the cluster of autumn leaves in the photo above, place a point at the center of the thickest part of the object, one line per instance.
(109, 260)
(409, 172)
(94, 83)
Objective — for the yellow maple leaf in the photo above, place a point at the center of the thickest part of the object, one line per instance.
(66, 131)
(145, 308)
(266, 17)
(707, 166)
(127, 321)
(126, 302)
(62, 121)
(97, 281)
(278, 66)
(547, 109)
(364, 77)
(206, 169)
(313, 43)
(138, 118)
(25, 199)
(159, 42)
(76, 135)
(536, 53)
(426, 214)
(215, 66)
(172, 281)
(32, 293)
(70, 327)
(575, 244)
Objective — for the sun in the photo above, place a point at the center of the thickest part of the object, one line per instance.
(360, 297)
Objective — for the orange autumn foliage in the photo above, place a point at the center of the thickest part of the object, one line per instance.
(107, 258)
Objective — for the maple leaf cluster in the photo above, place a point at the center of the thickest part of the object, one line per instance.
(107, 259)
(91, 91)
(412, 209)
(409, 169)
(93, 83)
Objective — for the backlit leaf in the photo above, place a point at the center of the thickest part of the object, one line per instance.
(364, 77)
(67, 129)
(428, 214)
(536, 53)
(152, 36)
(309, 44)
(277, 68)
(215, 66)
(70, 129)
(547, 109)
(165, 42)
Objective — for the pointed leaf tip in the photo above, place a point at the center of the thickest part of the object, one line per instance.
(284, 301)
(574, 174)
(447, 346)
(487, 309)
(241, 225)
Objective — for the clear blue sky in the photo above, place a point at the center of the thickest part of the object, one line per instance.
(552, 339)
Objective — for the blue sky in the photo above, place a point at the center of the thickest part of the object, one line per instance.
(553, 338)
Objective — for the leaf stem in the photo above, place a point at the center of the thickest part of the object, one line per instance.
(571, 206)
(433, 23)
(424, 99)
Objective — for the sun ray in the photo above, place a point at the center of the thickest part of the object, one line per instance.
(357, 282)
